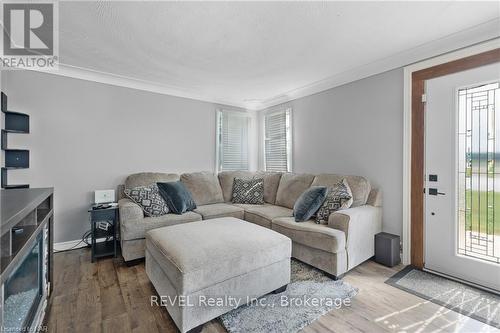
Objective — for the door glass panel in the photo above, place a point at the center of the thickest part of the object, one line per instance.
(478, 179)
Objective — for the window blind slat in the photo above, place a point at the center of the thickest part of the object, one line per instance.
(233, 141)
(277, 143)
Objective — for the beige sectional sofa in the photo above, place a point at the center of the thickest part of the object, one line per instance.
(345, 242)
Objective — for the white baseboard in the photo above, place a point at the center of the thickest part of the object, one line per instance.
(72, 245)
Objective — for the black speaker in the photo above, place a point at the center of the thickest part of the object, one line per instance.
(387, 249)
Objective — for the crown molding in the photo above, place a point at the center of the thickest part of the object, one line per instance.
(132, 83)
(475, 35)
(481, 33)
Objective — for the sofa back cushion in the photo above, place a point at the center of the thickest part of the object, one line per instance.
(226, 179)
(271, 183)
(204, 187)
(149, 178)
(291, 186)
(360, 186)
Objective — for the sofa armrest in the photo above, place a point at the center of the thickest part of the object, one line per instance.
(360, 224)
(129, 210)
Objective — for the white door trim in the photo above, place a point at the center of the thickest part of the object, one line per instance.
(408, 70)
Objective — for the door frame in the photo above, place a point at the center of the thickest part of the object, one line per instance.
(414, 136)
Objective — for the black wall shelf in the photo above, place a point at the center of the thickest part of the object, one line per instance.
(15, 122)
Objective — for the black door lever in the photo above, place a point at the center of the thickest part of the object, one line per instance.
(434, 191)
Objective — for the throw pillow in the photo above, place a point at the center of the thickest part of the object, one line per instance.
(149, 198)
(309, 202)
(339, 197)
(248, 191)
(177, 197)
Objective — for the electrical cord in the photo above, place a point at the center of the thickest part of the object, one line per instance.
(87, 239)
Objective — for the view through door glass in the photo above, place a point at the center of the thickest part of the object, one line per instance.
(479, 172)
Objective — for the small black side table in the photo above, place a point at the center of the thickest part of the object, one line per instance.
(108, 247)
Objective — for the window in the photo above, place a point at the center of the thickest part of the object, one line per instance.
(232, 140)
(278, 141)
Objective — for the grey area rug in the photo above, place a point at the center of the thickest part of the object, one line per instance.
(469, 301)
(288, 311)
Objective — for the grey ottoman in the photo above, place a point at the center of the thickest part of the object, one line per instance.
(214, 261)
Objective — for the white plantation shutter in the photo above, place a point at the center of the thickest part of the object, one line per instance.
(232, 140)
(277, 141)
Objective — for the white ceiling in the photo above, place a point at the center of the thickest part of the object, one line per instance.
(255, 54)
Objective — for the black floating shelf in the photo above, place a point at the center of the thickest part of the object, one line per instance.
(15, 122)
(17, 158)
(4, 140)
(4, 181)
(4, 102)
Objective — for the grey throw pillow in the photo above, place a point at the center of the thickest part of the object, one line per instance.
(177, 197)
(308, 203)
(339, 197)
(248, 191)
(149, 198)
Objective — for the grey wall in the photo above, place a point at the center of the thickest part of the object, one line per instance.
(87, 136)
(355, 129)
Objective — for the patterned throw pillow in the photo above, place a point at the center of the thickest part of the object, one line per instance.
(248, 191)
(149, 198)
(339, 197)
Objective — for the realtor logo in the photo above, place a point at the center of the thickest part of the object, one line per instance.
(29, 35)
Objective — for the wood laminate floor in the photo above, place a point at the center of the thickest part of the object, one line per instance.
(108, 296)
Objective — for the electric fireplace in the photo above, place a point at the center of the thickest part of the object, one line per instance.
(26, 259)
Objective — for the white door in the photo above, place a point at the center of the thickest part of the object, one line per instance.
(462, 150)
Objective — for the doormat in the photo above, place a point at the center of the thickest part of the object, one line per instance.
(466, 300)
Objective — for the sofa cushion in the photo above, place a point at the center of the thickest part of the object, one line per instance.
(204, 187)
(226, 179)
(220, 210)
(136, 229)
(148, 178)
(197, 255)
(248, 191)
(149, 198)
(264, 214)
(177, 197)
(291, 187)
(308, 203)
(271, 183)
(309, 233)
(360, 186)
(338, 197)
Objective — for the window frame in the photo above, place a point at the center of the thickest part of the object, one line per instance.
(218, 133)
(289, 144)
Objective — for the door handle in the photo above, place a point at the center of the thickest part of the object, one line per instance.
(434, 191)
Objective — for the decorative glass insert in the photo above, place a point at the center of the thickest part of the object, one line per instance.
(479, 172)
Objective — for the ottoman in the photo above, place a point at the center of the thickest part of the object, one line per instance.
(204, 269)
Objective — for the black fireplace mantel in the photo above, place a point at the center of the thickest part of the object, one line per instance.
(26, 220)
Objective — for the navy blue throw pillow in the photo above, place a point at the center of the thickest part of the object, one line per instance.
(309, 202)
(177, 197)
